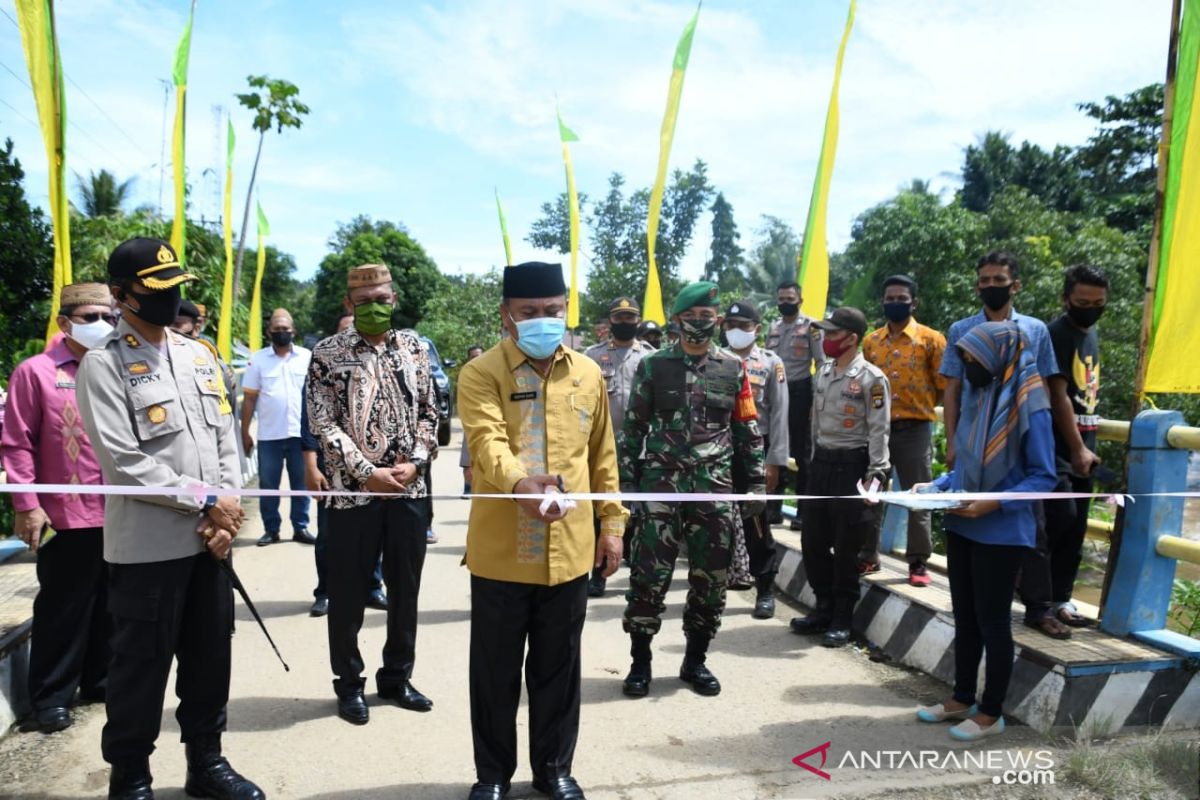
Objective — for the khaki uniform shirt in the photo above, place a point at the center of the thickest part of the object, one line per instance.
(156, 419)
(617, 365)
(768, 382)
(518, 423)
(797, 343)
(852, 409)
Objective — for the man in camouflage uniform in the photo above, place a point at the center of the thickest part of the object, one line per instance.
(618, 359)
(851, 422)
(768, 382)
(692, 412)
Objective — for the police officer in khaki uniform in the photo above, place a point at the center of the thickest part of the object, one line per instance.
(155, 409)
(851, 421)
(618, 359)
(768, 382)
(794, 339)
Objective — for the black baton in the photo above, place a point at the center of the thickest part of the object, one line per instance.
(237, 584)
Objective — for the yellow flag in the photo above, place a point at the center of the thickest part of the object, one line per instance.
(179, 225)
(567, 135)
(1175, 336)
(225, 325)
(652, 304)
(255, 332)
(813, 272)
(504, 231)
(36, 21)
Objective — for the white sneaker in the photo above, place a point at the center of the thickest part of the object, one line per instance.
(969, 730)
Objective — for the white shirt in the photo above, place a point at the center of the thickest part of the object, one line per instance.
(279, 382)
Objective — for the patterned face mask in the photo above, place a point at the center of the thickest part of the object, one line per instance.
(697, 331)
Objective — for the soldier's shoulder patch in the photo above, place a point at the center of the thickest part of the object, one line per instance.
(877, 395)
(780, 375)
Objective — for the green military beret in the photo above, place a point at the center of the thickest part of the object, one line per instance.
(700, 293)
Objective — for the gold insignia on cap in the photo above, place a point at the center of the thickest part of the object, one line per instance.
(164, 255)
(132, 341)
(625, 303)
(156, 414)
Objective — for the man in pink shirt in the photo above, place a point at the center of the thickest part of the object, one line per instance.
(44, 442)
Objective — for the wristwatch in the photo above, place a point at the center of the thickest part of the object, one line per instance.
(209, 503)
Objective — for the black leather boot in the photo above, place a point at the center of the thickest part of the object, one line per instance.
(209, 773)
(839, 626)
(693, 670)
(764, 604)
(130, 780)
(637, 682)
(816, 622)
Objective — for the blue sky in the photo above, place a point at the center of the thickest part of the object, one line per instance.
(420, 109)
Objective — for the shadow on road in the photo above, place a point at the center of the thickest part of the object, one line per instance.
(277, 713)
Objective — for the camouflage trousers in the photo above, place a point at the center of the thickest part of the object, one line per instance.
(707, 530)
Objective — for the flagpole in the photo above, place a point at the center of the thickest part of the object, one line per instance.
(1164, 148)
(1139, 379)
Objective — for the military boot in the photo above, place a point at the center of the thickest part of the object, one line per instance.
(693, 670)
(816, 622)
(637, 682)
(764, 603)
(839, 626)
(210, 775)
(130, 780)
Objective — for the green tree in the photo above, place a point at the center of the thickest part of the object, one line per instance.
(994, 164)
(1119, 161)
(617, 227)
(275, 104)
(724, 265)
(364, 241)
(101, 195)
(463, 313)
(26, 264)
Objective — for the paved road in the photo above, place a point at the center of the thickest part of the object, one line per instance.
(782, 696)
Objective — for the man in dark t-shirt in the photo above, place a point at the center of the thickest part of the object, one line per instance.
(1050, 572)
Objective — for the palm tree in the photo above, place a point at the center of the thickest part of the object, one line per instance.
(102, 196)
(773, 259)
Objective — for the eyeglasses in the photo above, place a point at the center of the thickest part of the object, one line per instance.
(96, 316)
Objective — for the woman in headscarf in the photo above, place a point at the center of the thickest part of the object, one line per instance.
(1004, 443)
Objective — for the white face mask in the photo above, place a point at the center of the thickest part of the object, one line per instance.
(90, 334)
(739, 339)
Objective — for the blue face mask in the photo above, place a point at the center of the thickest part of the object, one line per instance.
(538, 338)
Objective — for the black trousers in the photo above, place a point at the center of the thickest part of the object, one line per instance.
(163, 610)
(800, 400)
(356, 538)
(982, 577)
(1033, 578)
(760, 541)
(834, 530)
(503, 616)
(1048, 571)
(71, 623)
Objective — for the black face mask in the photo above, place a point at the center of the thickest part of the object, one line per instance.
(158, 308)
(1084, 317)
(977, 374)
(623, 331)
(996, 297)
(281, 338)
(697, 332)
(789, 309)
(897, 312)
